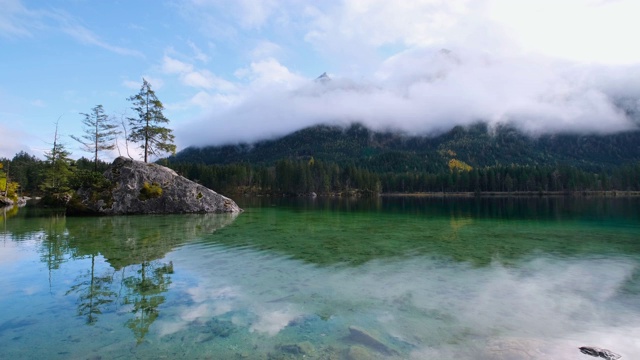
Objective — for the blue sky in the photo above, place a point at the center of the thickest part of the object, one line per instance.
(243, 70)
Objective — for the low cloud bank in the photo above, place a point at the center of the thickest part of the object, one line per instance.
(427, 90)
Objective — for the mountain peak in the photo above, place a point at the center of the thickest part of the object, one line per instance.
(323, 78)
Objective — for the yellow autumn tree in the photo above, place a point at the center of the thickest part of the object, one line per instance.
(455, 164)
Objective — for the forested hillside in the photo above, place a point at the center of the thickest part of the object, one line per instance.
(477, 146)
(356, 160)
(331, 159)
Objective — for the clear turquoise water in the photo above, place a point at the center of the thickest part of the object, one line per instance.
(326, 279)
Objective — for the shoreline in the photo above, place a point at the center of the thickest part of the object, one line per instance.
(608, 193)
(454, 194)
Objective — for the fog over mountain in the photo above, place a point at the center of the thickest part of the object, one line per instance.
(427, 90)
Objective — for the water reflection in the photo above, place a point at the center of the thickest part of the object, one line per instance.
(125, 270)
(385, 278)
(94, 293)
(471, 230)
(145, 289)
(8, 211)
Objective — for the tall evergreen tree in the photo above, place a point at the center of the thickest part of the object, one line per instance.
(99, 133)
(58, 170)
(147, 127)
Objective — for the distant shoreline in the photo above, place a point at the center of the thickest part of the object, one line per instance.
(455, 194)
(610, 193)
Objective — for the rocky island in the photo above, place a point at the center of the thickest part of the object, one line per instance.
(135, 187)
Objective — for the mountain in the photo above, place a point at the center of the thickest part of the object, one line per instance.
(477, 145)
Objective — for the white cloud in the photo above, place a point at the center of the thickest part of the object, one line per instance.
(265, 49)
(156, 83)
(206, 80)
(86, 36)
(203, 79)
(198, 54)
(16, 20)
(174, 66)
(578, 30)
(393, 74)
(272, 321)
(380, 22)
(131, 84)
(205, 100)
(270, 72)
(421, 91)
(254, 13)
(15, 140)
(191, 77)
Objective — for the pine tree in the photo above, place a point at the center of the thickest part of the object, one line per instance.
(147, 127)
(58, 170)
(99, 133)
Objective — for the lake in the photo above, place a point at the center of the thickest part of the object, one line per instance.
(385, 278)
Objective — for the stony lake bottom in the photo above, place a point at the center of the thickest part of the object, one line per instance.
(384, 278)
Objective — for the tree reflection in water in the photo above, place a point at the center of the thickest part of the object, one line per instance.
(124, 255)
(145, 289)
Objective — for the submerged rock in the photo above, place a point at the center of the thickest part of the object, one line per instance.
(357, 352)
(597, 352)
(300, 349)
(136, 187)
(362, 337)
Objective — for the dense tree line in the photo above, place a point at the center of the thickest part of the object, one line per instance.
(295, 177)
(288, 177)
(30, 172)
(515, 179)
(302, 177)
(353, 160)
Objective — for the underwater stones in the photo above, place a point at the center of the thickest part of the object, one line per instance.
(302, 348)
(362, 337)
(220, 328)
(517, 348)
(597, 352)
(357, 352)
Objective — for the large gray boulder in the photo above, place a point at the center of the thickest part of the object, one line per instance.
(135, 187)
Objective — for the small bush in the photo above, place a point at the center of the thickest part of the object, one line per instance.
(150, 191)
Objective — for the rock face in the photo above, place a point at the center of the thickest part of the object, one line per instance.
(597, 352)
(143, 188)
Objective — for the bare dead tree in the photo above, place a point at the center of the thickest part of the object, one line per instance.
(123, 117)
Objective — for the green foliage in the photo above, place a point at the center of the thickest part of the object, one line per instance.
(332, 160)
(147, 128)
(383, 152)
(8, 188)
(99, 133)
(27, 170)
(150, 191)
(88, 179)
(57, 172)
(3, 180)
